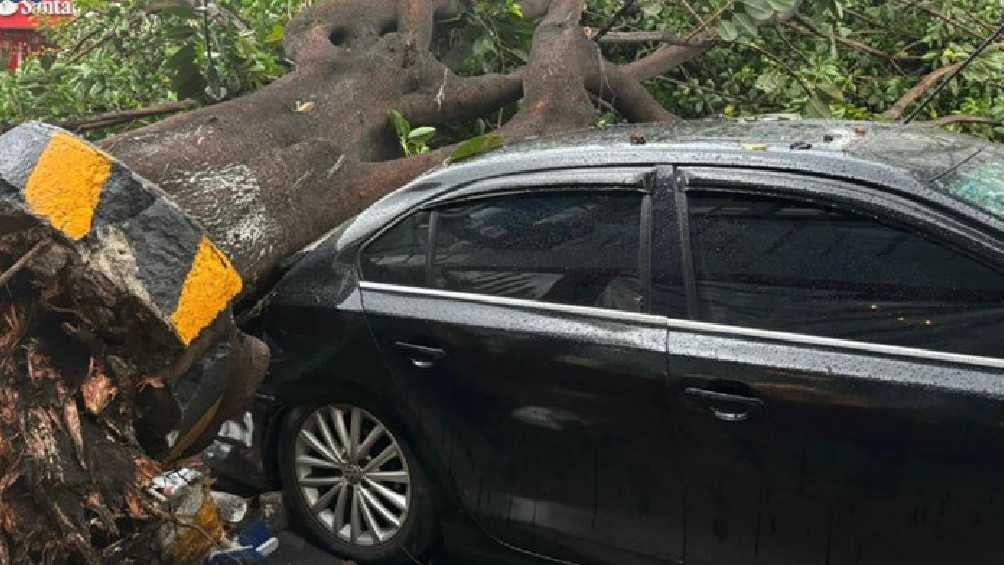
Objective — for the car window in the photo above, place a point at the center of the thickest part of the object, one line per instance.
(399, 255)
(577, 248)
(778, 264)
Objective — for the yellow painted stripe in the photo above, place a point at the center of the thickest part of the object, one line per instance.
(66, 184)
(210, 285)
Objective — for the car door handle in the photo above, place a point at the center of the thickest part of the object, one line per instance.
(715, 399)
(421, 356)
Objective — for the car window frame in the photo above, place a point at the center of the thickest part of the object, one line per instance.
(602, 179)
(844, 196)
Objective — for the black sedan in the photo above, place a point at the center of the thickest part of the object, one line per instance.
(715, 342)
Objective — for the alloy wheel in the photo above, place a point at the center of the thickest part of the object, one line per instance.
(352, 474)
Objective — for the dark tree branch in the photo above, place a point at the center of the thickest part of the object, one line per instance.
(805, 26)
(99, 121)
(630, 97)
(459, 98)
(928, 82)
(635, 37)
(669, 57)
(963, 119)
(628, 4)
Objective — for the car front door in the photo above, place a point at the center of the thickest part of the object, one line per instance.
(522, 348)
(840, 376)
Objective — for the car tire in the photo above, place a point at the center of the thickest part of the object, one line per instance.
(399, 521)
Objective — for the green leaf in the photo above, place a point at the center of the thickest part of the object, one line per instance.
(782, 6)
(476, 146)
(817, 108)
(771, 82)
(833, 91)
(837, 8)
(759, 10)
(651, 8)
(423, 133)
(400, 123)
(276, 35)
(744, 24)
(727, 31)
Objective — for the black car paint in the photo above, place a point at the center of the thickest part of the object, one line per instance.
(825, 471)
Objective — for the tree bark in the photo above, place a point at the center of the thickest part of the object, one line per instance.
(929, 81)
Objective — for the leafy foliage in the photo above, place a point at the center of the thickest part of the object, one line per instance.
(126, 54)
(413, 141)
(835, 58)
(848, 59)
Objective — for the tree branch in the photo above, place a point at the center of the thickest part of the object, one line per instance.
(809, 27)
(669, 56)
(533, 9)
(631, 98)
(461, 98)
(417, 19)
(928, 82)
(963, 119)
(99, 121)
(634, 37)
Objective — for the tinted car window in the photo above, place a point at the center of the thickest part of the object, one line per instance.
(567, 247)
(787, 265)
(399, 255)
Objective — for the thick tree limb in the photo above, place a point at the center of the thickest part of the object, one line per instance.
(928, 82)
(533, 9)
(459, 98)
(630, 97)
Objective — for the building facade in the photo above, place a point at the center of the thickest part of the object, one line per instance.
(19, 23)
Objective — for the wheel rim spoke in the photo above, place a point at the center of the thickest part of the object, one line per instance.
(371, 438)
(354, 518)
(343, 495)
(343, 434)
(329, 440)
(319, 447)
(325, 499)
(386, 455)
(355, 429)
(368, 516)
(382, 510)
(320, 481)
(394, 498)
(400, 477)
(319, 463)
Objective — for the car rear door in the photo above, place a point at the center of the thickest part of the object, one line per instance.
(527, 359)
(840, 376)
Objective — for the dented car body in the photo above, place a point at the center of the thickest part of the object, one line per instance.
(715, 342)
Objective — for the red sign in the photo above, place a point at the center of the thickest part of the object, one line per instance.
(24, 14)
(15, 45)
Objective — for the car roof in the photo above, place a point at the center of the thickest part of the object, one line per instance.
(921, 152)
(902, 158)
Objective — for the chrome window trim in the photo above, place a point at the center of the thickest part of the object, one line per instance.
(619, 315)
(695, 326)
(835, 343)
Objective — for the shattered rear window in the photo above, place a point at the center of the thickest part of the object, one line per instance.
(979, 181)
